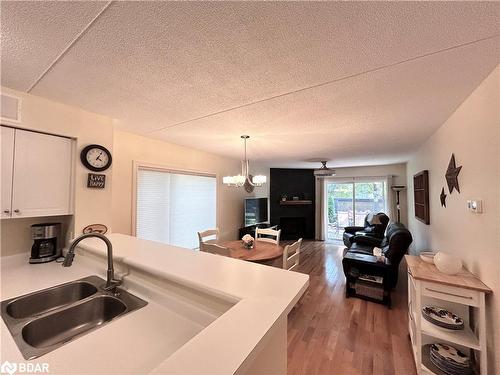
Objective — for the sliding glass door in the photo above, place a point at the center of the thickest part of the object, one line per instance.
(349, 202)
(340, 209)
(368, 197)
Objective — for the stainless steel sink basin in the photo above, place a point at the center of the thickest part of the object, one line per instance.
(56, 328)
(49, 299)
(42, 321)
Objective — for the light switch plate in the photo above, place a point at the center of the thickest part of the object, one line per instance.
(475, 206)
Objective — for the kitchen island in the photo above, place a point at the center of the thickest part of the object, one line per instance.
(206, 314)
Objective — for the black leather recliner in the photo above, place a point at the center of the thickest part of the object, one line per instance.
(394, 246)
(369, 234)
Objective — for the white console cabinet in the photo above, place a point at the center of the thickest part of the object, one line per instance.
(36, 174)
(464, 295)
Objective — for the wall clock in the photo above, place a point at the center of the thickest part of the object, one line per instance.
(96, 158)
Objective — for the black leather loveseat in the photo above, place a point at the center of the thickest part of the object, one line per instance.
(394, 246)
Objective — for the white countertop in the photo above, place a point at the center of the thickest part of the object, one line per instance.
(144, 341)
(151, 333)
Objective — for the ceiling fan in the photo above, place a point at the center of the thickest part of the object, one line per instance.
(324, 171)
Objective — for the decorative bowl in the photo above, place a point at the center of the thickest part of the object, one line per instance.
(427, 256)
(443, 318)
(447, 263)
(248, 244)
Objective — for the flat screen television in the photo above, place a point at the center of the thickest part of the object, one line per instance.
(255, 211)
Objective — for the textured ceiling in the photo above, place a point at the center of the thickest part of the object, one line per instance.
(356, 83)
(35, 33)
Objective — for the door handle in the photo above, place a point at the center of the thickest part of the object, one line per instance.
(17, 211)
(6, 211)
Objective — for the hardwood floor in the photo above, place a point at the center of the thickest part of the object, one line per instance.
(329, 334)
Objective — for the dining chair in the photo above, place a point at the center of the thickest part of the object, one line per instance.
(291, 255)
(213, 233)
(213, 248)
(271, 235)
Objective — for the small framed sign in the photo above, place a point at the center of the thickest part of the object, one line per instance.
(96, 181)
(95, 228)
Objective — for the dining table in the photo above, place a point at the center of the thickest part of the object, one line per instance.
(262, 251)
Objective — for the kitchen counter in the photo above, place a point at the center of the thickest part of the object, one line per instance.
(206, 314)
(106, 350)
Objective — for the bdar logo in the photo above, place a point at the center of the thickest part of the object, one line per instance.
(8, 368)
(23, 368)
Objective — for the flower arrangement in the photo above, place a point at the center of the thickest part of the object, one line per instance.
(248, 241)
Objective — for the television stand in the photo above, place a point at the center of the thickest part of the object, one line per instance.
(251, 229)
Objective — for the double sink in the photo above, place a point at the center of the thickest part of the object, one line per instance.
(42, 321)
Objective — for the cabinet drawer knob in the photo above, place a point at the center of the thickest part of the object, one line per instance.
(17, 211)
(6, 211)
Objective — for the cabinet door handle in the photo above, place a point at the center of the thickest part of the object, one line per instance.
(17, 211)
(6, 211)
(449, 294)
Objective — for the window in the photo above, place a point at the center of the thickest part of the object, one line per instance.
(172, 206)
(349, 202)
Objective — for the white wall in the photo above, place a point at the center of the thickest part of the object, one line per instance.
(472, 133)
(130, 147)
(91, 206)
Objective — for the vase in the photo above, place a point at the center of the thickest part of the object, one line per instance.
(447, 263)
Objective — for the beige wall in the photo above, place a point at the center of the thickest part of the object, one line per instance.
(16, 233)
(112, 206)
(472, 133)
(130, 147)
(91, 206)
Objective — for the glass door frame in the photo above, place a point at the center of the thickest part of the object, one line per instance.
(353, 181)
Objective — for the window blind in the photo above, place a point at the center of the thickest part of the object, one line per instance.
(172, 206)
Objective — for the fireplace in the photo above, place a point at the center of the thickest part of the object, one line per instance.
(293, 228)
(296, 219)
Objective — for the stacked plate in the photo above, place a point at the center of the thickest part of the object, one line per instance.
(442, 318)
(450, 360)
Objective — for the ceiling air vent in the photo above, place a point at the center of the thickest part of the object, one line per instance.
(11, 108)
(324, 171)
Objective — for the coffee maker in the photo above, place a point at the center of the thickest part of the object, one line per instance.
(47, 243)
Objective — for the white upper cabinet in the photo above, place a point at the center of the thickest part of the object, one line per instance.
(41, 175)
(7, 155)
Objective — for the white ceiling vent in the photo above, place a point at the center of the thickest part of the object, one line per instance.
(11, 108)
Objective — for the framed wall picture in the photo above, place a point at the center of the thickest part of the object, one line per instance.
(421, 196)
(96, 181)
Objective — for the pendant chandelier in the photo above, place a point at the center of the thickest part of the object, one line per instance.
(245, 177)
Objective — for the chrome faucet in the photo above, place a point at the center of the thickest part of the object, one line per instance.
(111, 283)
